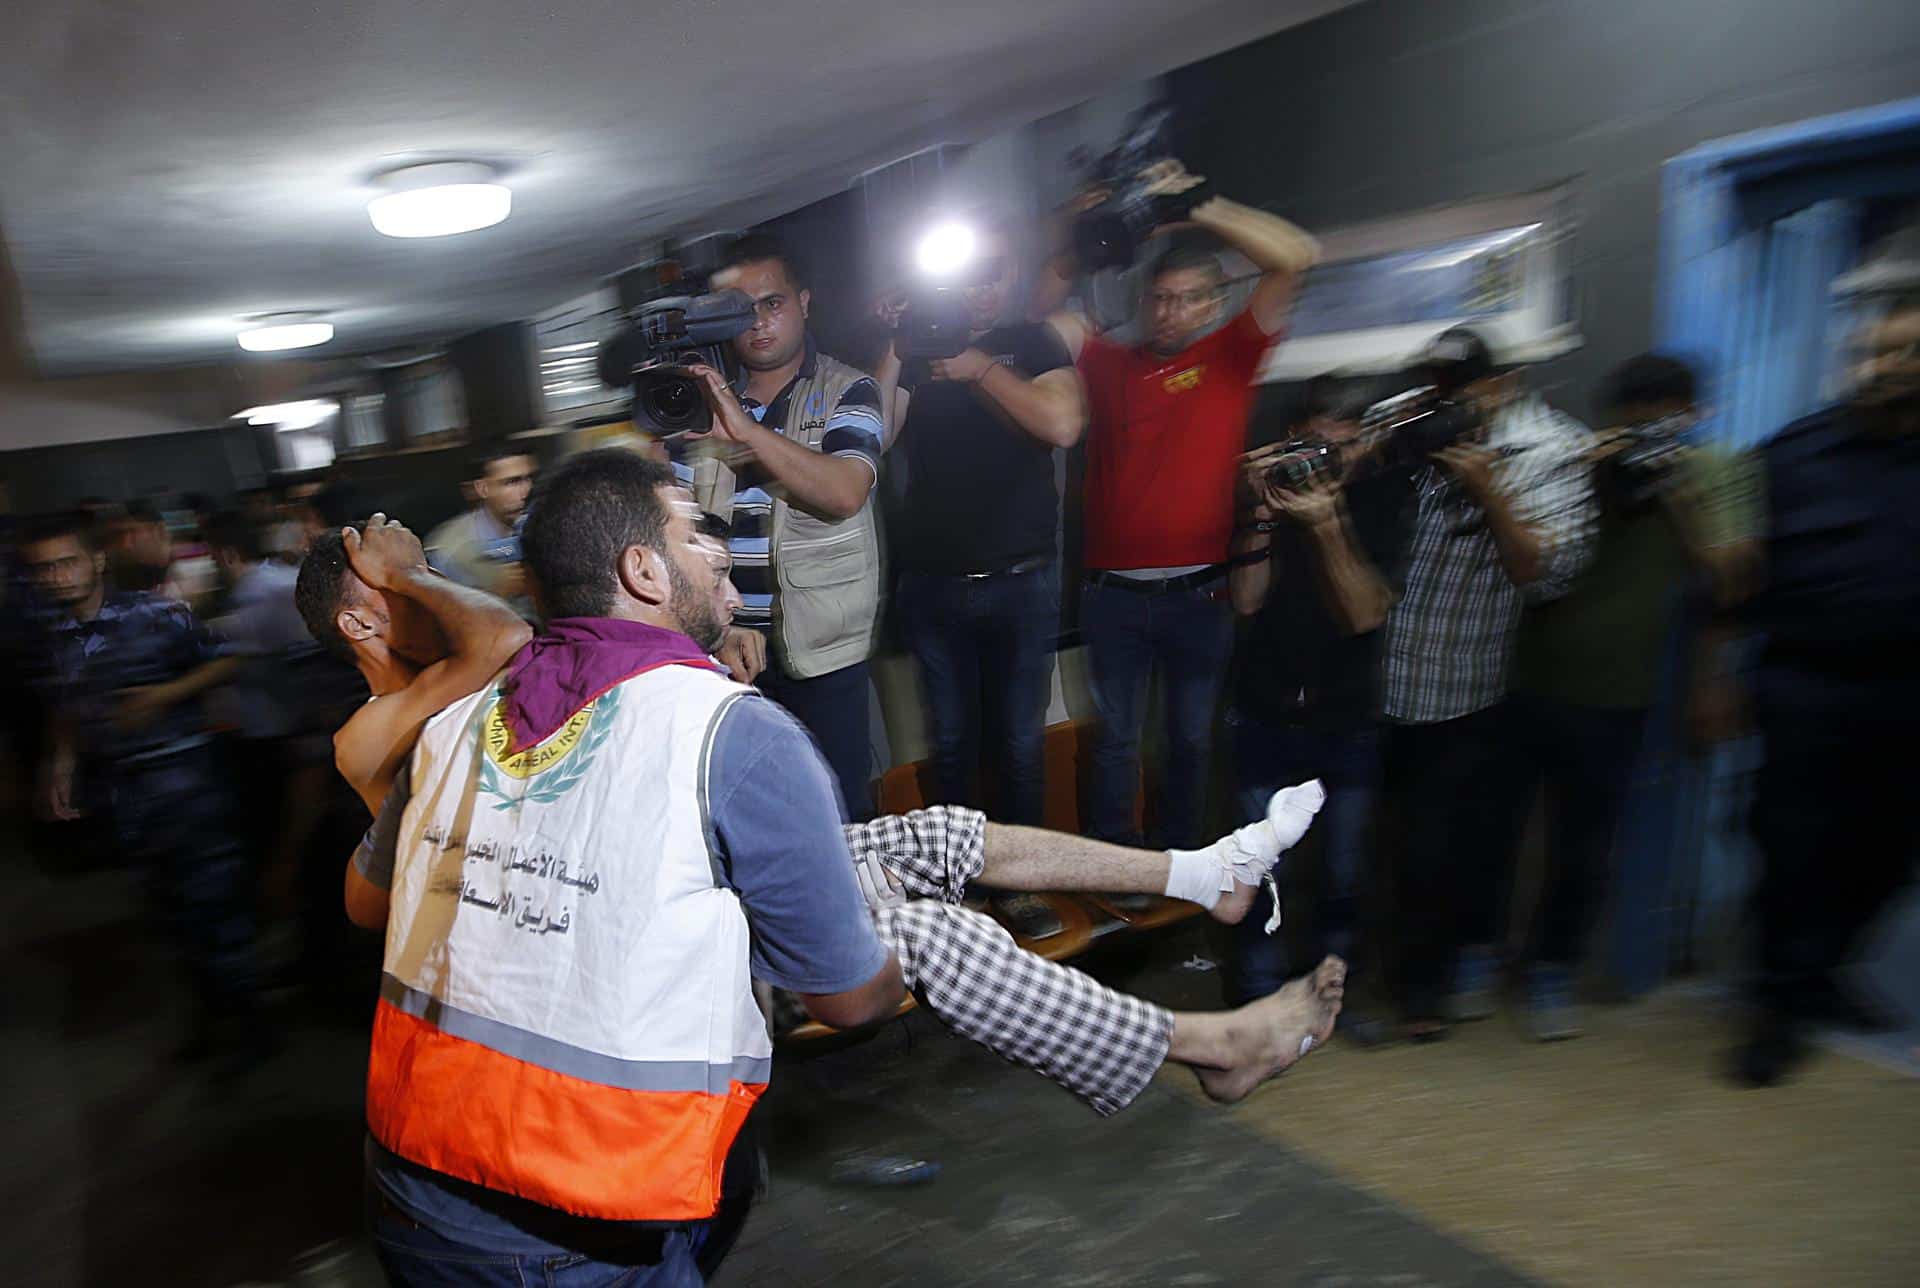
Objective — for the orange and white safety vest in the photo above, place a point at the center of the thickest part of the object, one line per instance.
(566, 1012)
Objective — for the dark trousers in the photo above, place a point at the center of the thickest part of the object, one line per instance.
(1450, 863)
(1585, 757)
(1185, 636)
(985, 649)
(1834, 821)
(1346, 758)
(683, 1255)
(175, 816)
(833, 707)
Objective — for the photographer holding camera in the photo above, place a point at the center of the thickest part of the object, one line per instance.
(1504, 515)
(1586, 666)
(1166, 430)
(979, 591)
(1316, 567)
(789, 468)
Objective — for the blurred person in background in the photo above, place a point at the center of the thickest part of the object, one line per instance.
(140, 549)
(1167, 426)
(126, 672)
(1316, 568)
(979, 592)
(1587, 665)
(1502, 517)
(480, 547)
(1834, 692)
(789, 469)
(280, 797)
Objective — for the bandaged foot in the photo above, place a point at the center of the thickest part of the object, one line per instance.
(1224, 877)
(1270, 1036)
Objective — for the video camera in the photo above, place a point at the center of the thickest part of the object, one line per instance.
(1110, 234)
(666, 337)
(936, 322)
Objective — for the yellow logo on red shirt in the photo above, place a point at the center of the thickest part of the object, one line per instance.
(1181, 382)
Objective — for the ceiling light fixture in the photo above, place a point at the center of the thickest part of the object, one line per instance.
(277, 331)
(304, 414)
(439, 200)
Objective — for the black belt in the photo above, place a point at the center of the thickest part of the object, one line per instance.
(1034, 564)
(1158, 585)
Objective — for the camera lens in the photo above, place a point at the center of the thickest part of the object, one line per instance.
(671, 400)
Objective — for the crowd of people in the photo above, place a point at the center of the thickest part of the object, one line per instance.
(1433, 630)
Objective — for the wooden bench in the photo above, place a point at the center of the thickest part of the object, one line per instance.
(1085, 919)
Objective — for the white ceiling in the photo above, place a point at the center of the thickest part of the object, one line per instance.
(167, 168)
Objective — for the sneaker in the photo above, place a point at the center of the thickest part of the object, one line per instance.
(1776, 1048)
(1362, 1029)
(1551, 1014)
(1474, 979)
(1027, 915)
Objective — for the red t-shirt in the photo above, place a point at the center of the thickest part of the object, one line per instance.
(1164, 439)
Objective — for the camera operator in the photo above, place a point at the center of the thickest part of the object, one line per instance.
(1497, 522)
(1834, 692)
(1166, 429)
(979, 587)
(1587, 666)
(790, 467)
(1316, 566)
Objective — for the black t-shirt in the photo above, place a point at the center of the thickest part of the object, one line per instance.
(1296, 662)
(980, 494)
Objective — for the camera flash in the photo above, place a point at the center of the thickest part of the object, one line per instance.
(945, 249)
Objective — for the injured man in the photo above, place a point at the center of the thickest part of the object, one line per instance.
(425, 645)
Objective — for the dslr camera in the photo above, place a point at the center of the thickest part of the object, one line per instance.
(1639, 473)
(1406, 430)
(1303, 461)
(936, 323)
(1110, 234)
(666, 337)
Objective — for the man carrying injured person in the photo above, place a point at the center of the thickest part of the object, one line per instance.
(585, 863)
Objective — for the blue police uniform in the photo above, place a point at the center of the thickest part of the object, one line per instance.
(163, 785)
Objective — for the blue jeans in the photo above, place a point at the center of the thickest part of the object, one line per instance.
(833, 708)
(985, 649)
(1186, 635)
(676, 1256)
(1346, 759)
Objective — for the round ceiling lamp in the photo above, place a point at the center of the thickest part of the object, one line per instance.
(277, 331)
(439, 200)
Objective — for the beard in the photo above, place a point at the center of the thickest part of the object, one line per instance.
(698, 617)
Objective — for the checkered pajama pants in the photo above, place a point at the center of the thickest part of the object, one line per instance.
(962, 965)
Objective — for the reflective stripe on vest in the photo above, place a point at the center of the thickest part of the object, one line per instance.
(567, 1013)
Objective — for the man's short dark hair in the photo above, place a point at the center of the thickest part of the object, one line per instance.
(142, 510)
(319, 588)
(1648, 379)
(582, 516)
(1182, 256)
(339, 504)
(758, 248)
(232, 530)
(77, 524)
(1338, 396)
(482, 458)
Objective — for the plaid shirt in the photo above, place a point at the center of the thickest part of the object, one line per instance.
(1450, 638)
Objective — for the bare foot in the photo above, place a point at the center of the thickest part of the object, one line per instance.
(1271, 1035)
